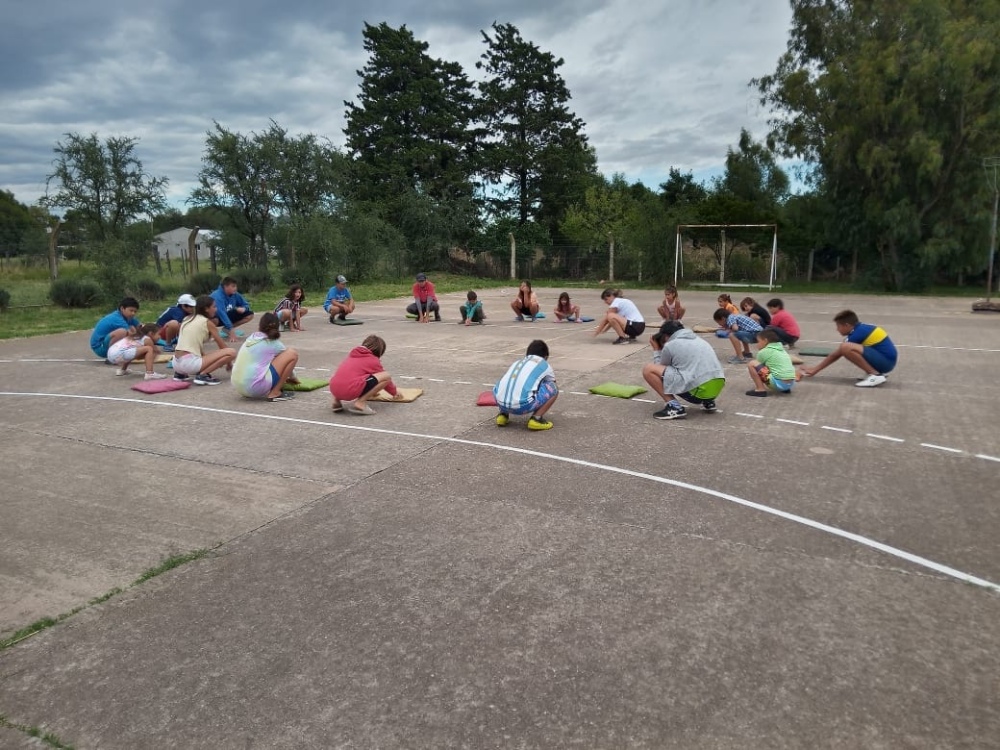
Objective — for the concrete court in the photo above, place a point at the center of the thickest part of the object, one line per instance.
(423, 578)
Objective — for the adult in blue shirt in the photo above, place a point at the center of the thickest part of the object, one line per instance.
(115, 326)
(231, 309)
(339, 302)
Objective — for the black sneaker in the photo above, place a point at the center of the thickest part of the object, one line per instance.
(181, 378)
(709, 406)
(620, 340)
(671, 412)
(205, 379)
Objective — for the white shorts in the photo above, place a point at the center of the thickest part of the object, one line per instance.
(187, 364)
(122, 351)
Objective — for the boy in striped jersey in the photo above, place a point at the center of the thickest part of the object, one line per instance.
(528, 386)
(865, 345)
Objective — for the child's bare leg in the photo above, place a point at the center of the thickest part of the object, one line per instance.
(737, 344)
(653, 375)
(618, 323)
(383, 379)
(219, 358)
(148, 354)
(283, 364)
(540, 411)
(854, 353)
(758, 382)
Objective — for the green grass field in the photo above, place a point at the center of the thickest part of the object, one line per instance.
(31, 312)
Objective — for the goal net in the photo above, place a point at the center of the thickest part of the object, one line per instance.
(716, 245)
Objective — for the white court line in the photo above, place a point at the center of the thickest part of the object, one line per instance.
(579, 393)
(884, 437)
(435, 380)
(791, 421)
(802, 520)
(91, 359)
(987, 458)
(835, 429)
(752, 416)
(463, 382)
(941, 448)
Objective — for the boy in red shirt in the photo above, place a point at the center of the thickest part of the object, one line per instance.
(782, 323)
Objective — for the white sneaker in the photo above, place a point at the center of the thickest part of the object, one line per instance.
(121, 371)
(871, 381)
(155, 376)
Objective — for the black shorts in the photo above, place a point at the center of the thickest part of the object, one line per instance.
(370, 382)
(634, 329)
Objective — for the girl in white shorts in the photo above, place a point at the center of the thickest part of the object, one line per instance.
(190, 359)
(123, 351)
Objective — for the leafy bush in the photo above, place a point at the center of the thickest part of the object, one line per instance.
(203, 283)
(75, 293)
(252, 280)
(149, 289)
(291, 276)
(4, 299)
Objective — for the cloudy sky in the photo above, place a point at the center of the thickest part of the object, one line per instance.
(658, 83)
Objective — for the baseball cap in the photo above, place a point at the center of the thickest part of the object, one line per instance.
(187, 299)
(421, 277)
(341, 280)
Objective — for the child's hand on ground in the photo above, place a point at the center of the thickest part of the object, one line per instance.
(398, 397)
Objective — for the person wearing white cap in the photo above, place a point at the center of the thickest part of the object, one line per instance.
(339, 302)
(169, 322)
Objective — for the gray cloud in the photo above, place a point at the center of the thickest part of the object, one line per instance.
(657, 84)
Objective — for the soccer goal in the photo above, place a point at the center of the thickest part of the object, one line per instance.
(679, 248)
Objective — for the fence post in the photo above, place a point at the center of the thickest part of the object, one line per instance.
(53, 243)
(513, 255)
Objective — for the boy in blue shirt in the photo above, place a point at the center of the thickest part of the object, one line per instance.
(231, 310)
(743, 332)
(339, 302)
(169, 322)
(865, 345)
(115, 326)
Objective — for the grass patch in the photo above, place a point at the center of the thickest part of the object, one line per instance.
(47, 737)
(31, 312)
(47, 622)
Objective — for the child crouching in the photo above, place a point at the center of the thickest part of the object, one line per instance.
(528, 387)
(773, 368)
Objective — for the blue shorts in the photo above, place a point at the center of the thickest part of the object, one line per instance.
(747, 337)
(545, 393)
(101, 350)
(878, 360)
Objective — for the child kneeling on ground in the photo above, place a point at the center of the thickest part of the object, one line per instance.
(528, 387)
(773, 368)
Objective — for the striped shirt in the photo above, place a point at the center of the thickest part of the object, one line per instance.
(516, 389)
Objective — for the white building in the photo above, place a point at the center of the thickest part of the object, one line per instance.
(175, 242)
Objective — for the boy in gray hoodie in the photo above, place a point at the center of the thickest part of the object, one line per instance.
(684, 366)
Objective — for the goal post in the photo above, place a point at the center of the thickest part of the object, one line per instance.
(679, 248)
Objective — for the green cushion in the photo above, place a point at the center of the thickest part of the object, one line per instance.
(816, 351)
(306, 384)
(617, 390)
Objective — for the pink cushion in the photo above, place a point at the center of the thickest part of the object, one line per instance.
(161, 386)
(486, 399)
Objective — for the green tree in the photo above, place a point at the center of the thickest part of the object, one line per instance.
(16, 222)
(895, 104)
(238, 176)
(536, 158)
(411, 143)
(104, 182)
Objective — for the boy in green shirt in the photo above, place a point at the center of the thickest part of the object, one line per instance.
(773, 367)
